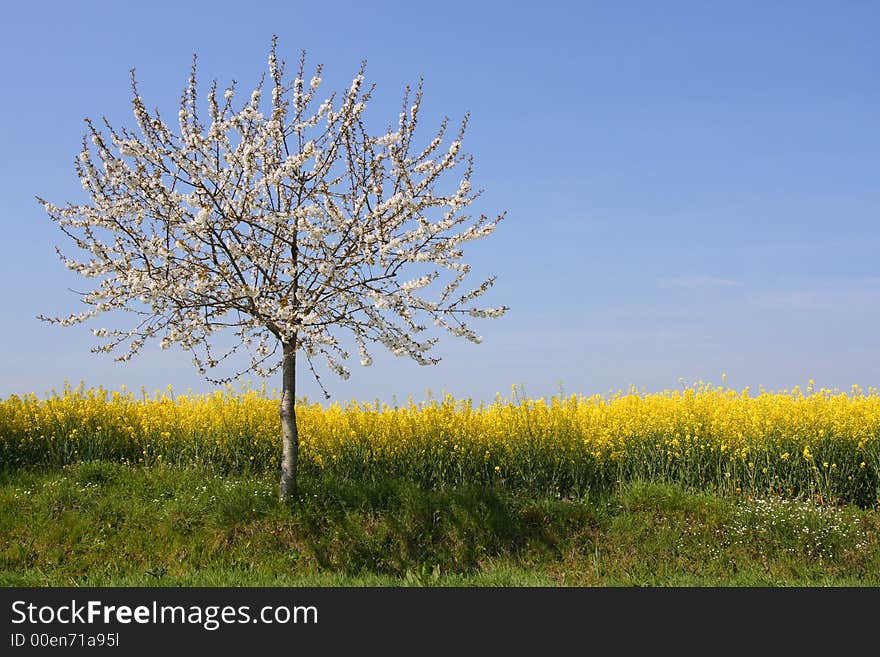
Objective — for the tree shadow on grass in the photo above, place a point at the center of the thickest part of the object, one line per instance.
(396, 527)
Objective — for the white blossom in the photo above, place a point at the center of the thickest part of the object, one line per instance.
(294, 227)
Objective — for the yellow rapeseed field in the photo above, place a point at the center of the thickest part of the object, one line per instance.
(819, 443)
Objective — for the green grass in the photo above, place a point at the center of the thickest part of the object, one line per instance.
(104, 524)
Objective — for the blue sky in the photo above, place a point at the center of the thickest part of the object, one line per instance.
(691, 188)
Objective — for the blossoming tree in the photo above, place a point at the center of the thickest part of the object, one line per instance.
(295, 230)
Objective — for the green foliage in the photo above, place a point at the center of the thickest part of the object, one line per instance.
(113, 524)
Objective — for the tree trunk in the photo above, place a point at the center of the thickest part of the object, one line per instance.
(290, 438)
